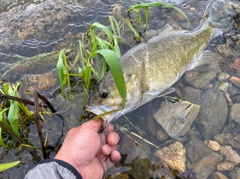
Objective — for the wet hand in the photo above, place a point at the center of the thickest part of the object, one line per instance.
(90, 152)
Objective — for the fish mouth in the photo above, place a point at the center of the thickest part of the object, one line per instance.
(94, 110)
(100, 110)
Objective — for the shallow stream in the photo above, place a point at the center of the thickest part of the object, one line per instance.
(33, 32)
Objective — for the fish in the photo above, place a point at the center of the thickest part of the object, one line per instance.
(151, 68)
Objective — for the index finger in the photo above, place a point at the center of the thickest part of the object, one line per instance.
(94, 124)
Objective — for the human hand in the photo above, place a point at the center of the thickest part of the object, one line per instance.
(90, 152)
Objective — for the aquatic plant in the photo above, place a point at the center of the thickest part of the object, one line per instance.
(146, 6)
(103, 51)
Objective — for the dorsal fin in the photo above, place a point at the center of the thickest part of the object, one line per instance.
(169, 28)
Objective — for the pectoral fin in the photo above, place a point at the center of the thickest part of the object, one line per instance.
(207, 60)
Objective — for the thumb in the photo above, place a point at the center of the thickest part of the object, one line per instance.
(94, 124)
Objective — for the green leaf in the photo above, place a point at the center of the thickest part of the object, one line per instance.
(62, 69)
(115, 26)
(4, 121)
(116, 48)
(116, 70)
(81, 53)
(5, 166)
(87, 78)
(104, 28)
(13, 111)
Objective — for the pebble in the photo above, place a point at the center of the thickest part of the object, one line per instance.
(235, 80)
(162, 135)
(235, 112)
(225, 166)
(228, 99)
(230, 154)
(215, 146)
(174, 156)
(223, 77)
(192, 9)
(236, 65)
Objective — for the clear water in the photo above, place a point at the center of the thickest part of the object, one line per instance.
(18, 40)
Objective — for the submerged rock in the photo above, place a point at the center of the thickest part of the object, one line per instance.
(201, 80)
(235, 80)
(225, 166)
(223, 77)
(215, 146)
(192, 95)
(230, 155)
(173, 156)
(203, 159)
(213, 113)
(227, 139)
(235, 173)
(218, 175)
(161, 135)
(176, 118)
(134, 147)
(140, 168)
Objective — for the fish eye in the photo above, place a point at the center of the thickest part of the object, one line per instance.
(104, 95)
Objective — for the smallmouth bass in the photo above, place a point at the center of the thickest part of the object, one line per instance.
(152, 67)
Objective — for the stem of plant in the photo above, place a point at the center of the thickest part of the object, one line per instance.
(38, 124)
(20, 141)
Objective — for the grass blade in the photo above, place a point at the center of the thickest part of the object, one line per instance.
(116, 70)
(6, 166)
(13, 110)
(62, 69)
(87, 78)
(104, 28)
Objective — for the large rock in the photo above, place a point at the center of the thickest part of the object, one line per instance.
(176, 118)
(213, 113)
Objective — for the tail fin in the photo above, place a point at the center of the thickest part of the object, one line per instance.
(219, 24)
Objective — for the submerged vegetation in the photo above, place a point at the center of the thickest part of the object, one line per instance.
(98, 52)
